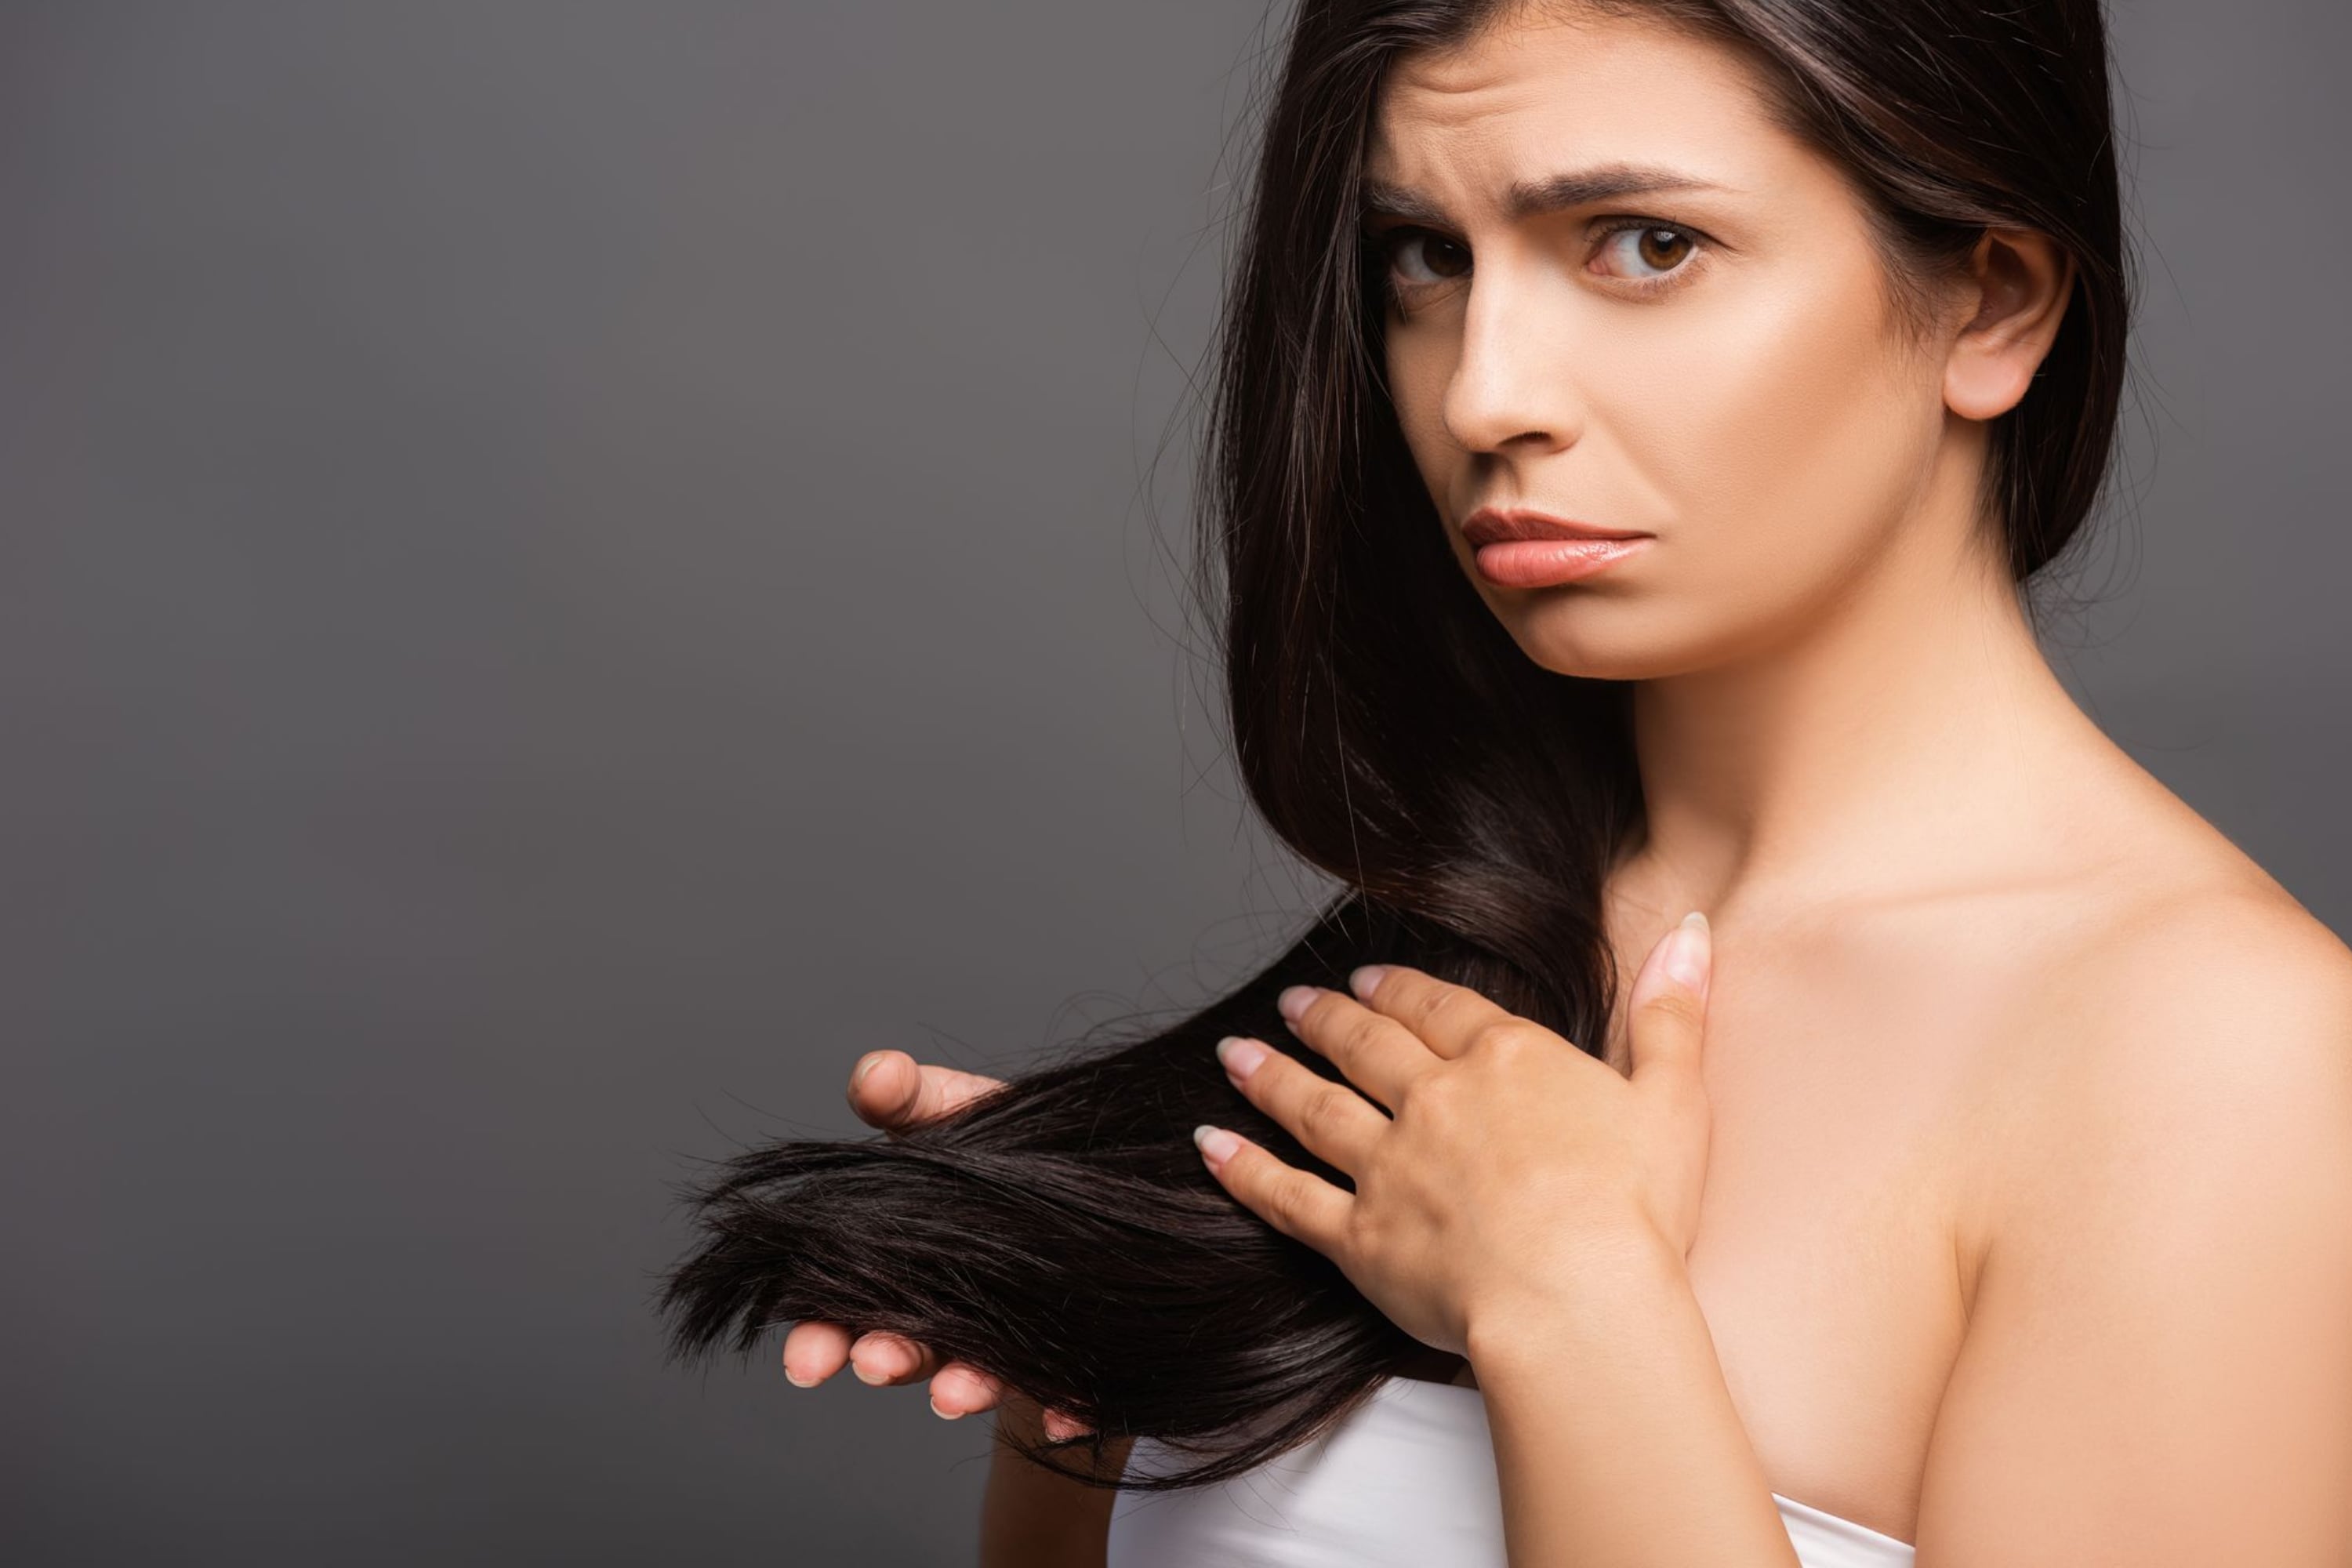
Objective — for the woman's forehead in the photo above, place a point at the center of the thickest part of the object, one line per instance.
(1517, 107)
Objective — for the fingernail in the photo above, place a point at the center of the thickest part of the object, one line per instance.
(876, 1379)
(797, 1381)
(1295, 1001)
(864, 1065)
(1687, 951)
(1366, 979)
(1215, 1144)
(1240, 1056)
(948, 1414)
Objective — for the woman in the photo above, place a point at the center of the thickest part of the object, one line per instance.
(1989, 1198)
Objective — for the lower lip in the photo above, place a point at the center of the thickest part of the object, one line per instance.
(1545, 562)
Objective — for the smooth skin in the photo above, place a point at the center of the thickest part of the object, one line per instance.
(2026, 1228)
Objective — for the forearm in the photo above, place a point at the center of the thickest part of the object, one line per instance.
(1616, 1443)
(1031, 1517)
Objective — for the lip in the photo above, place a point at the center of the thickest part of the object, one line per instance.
(1494, 524)
(1517, 547)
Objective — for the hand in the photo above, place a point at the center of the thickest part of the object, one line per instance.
(890, 1090)
(1513, 1163)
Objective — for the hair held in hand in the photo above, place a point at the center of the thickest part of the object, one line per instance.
(1062, 1232)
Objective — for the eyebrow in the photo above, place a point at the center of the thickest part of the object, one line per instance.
(1532, 198)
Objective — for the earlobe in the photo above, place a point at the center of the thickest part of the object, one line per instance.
(2022, 281)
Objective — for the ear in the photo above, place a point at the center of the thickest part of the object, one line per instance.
(2022, 279)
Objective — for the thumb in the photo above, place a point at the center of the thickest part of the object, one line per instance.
(893, 1098)
(884, 1093)
(1667, 1011)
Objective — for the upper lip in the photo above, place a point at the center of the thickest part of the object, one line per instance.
(1490, 524)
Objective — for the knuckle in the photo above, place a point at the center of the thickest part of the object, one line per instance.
(1499, 1043)
(1432, 1099)
(1676, 1006)
(1688, 1102)
(1319, 1113)
(1276, 1206)
(1291, 1194)
(1433, 1089)
(1443, 1008)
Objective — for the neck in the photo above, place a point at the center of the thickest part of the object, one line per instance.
(1905, 737)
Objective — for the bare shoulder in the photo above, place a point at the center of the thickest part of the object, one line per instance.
(2224, 980)
(2182, 923)
(2156, 1367)
(2209, 1018)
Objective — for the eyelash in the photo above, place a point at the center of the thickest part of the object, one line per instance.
(1384, 244)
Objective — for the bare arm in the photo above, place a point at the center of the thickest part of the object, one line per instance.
(2160, 1368)
(1030, 1518)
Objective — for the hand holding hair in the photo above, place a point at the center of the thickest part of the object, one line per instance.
(1057, 1232)
(885, 1096)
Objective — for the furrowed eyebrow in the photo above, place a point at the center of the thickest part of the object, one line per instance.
(1532, 198)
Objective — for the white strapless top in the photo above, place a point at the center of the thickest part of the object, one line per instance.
(1408, 1478)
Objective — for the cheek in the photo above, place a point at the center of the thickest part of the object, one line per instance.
(1416, 379)
(1778, 437)
(1771, 433)
(1776, 420)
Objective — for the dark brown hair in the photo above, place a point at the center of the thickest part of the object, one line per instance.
(1062, 1232)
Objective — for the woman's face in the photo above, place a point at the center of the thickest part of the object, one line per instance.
(1716, 367)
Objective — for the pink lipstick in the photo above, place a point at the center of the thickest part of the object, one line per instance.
(1521, 547)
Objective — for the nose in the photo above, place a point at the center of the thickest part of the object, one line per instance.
(1511, 386)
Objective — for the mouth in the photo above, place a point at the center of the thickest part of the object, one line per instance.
(1502, 525)
(1519, 548)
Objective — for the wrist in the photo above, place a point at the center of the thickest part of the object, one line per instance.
(1612, 1284)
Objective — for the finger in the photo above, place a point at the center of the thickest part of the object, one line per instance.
(1379, 1055)
(962, 1389)
(1331, 1120)
(1302, 1205)
(891, 1090)
(1061, 1427)
(815, 1350)
(886, 1360)
(1667, 1011)
(1445, 1016)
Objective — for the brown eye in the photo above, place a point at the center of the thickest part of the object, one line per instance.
(1443, 260)
(1645, 251)
(1673, 249)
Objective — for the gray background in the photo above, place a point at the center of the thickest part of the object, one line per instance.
(565, 569)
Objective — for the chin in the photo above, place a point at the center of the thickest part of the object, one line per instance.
(1620, 639)
(1611, 660)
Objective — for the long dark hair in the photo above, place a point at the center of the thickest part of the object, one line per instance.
(1062, 1232)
